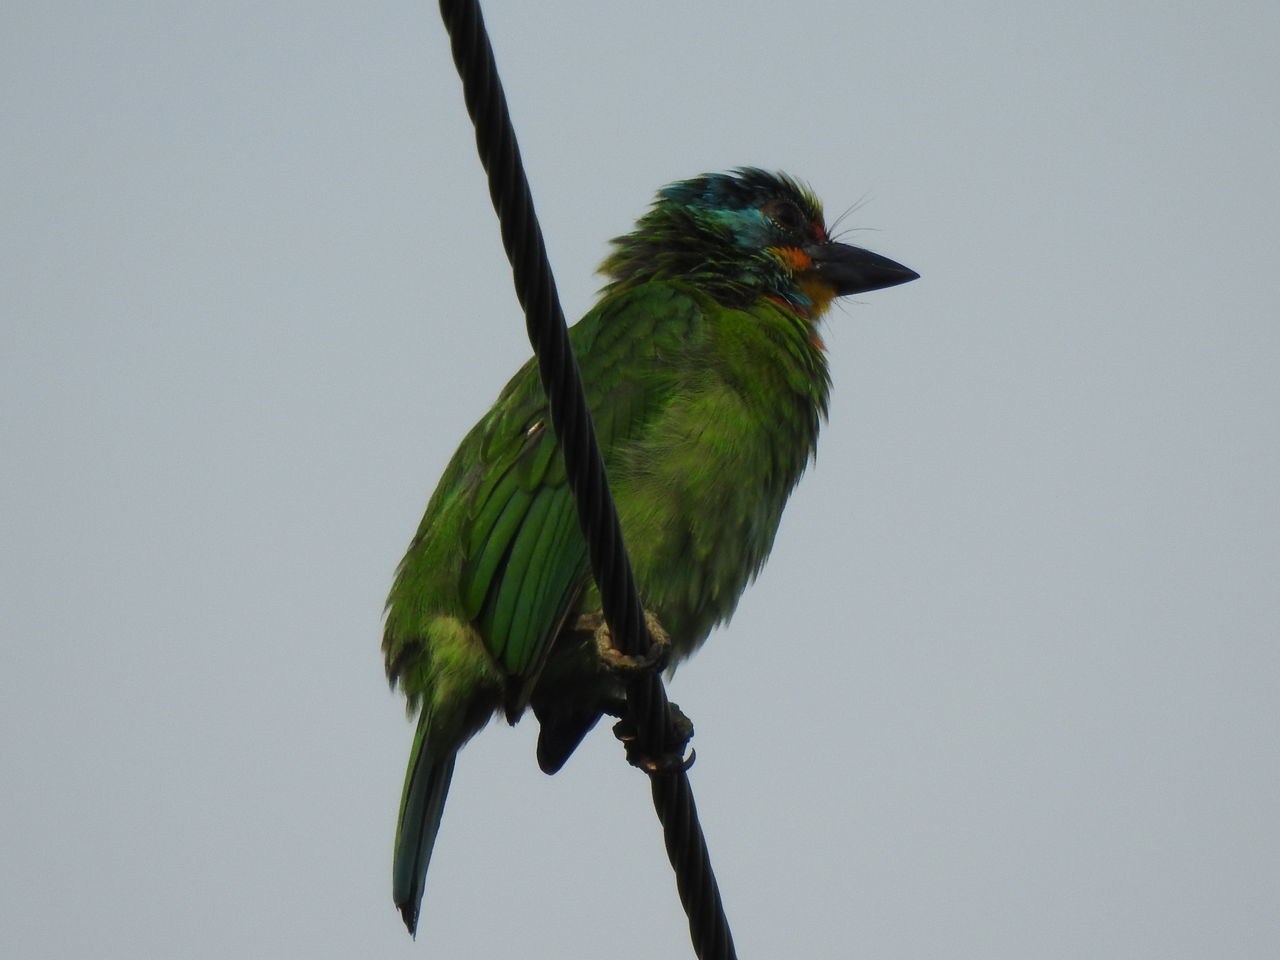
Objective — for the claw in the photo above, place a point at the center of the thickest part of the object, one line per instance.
(679, 733)
(613, 659)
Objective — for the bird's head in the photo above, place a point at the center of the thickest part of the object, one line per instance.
(747, 234)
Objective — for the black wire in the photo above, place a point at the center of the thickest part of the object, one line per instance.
(544, 319)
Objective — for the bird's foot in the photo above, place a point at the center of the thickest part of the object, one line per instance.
(669, 760)
(613, 659)
(679, 729)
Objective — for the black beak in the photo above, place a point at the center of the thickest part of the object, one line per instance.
(854, 270)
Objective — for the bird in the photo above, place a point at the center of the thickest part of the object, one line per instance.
(707, 381)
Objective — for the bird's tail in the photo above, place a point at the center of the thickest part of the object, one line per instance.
(426, 785)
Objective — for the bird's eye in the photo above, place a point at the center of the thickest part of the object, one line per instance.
(788, 216)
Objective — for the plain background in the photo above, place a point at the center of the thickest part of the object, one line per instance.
(1008, 686)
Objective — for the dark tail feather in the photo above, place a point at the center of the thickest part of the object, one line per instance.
(426, 785)
(560, 734)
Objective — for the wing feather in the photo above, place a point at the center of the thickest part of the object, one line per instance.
(507, 526)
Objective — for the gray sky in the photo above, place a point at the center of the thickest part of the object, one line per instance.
(1008, 686)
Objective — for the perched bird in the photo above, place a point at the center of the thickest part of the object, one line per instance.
(707, 381)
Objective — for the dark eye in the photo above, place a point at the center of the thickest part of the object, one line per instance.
(788, 216)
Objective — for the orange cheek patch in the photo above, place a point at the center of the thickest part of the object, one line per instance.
(800, 265)
(795, 259)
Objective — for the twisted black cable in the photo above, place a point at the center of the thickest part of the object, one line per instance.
(535, 288)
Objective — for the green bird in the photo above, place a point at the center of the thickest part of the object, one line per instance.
(707, 380)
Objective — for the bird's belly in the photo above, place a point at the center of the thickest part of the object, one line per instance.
(694, 547)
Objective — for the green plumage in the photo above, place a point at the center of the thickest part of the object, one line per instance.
(706, 381)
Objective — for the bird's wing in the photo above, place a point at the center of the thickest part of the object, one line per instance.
(525, 558)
